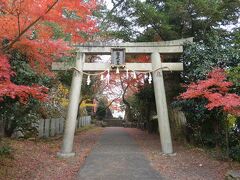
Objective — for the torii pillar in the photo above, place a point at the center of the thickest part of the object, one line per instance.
(70, 123)
(161, 105)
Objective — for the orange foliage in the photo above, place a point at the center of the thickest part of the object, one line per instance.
(142, 58)
(216, 90)
(23, 27)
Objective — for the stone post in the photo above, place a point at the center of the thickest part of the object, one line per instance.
(53, 127)
(70, 122)
(161, 104)
(46, 128)
(41, 128)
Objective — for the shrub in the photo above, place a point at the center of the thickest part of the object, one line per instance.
(5, 150)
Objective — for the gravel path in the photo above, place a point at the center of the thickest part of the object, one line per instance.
(117, 157)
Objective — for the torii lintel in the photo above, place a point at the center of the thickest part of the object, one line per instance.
(163, 47)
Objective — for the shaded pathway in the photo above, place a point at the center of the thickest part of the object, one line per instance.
(117, 157)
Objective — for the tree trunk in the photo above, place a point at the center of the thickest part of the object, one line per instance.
(128, 114)
(227, 136)
(216, 134)
(1, 129)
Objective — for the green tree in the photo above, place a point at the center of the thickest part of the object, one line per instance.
(17, 116)
(143, 107)
(101, 110)
(204, 127)
(170, 19)
(234, 76)
(199, 58)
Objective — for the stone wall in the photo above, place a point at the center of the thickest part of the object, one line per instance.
(113, 122)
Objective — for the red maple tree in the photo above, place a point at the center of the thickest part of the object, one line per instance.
(123, 85)
(216, 90)
(23, 27)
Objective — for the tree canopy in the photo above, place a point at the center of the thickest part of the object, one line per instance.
(25, 28)
(135, 20)
(216, 90)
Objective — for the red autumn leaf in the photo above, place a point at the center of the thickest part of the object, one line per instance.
(216, 90)
(23, 27)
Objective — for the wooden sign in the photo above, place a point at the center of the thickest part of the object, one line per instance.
(118, 56)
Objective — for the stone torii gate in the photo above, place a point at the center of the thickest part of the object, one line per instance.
(153, 48)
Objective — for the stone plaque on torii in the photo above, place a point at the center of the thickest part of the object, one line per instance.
(156, 66)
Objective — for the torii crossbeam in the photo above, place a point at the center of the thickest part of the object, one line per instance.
(153, 48)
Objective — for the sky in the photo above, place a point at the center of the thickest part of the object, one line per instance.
(109, 4)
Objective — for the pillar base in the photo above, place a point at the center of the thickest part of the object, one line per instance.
(169, 154)
(65, 155)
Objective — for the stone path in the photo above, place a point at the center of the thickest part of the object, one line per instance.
(117, 157)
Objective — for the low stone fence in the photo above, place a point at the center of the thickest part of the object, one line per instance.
(83, 121)
(178, 122)
(178, 117)
(130, 124)
(113, 122)
(55, 126)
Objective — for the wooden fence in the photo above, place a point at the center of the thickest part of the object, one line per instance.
(55, 126)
